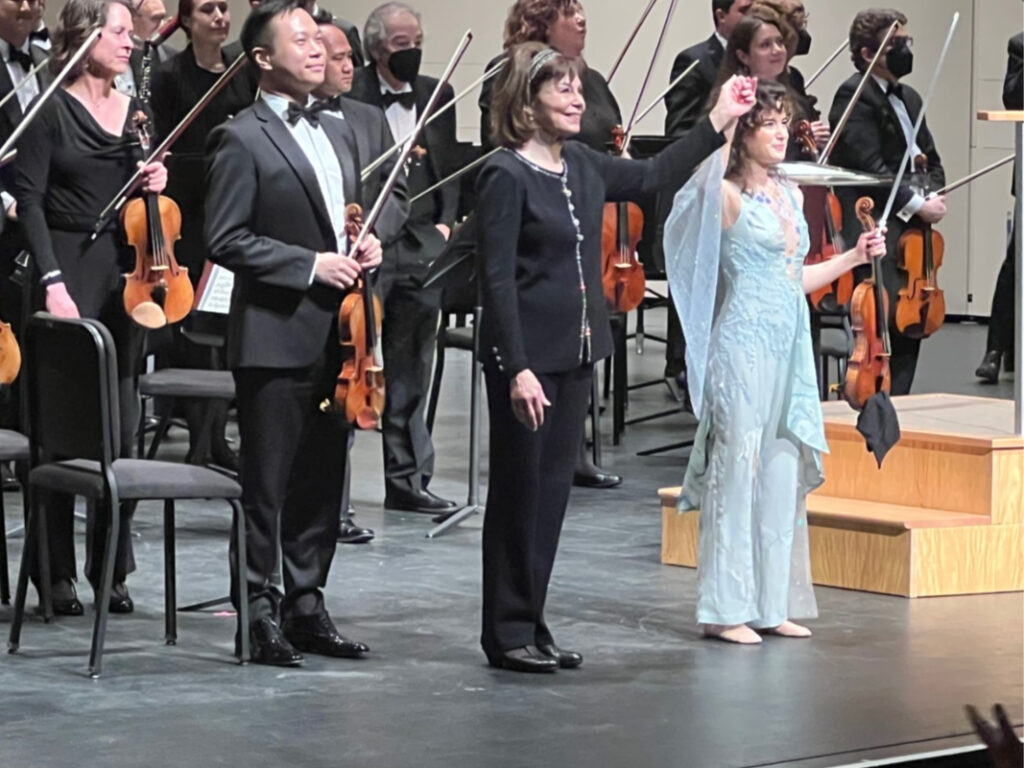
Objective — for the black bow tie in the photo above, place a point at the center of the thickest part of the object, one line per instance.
(407, 99)
(296, 113)
(40, 35)
(18, 56)
(332, 104)
(895, 89)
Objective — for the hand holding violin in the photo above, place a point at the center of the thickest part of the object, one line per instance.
(341, 271)
(369, 254)
(934, 209)
(737, 97)
(154, 177)
(870, 245)
(821, 133)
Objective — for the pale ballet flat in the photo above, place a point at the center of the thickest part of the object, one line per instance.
(787, 629)
(740, 634)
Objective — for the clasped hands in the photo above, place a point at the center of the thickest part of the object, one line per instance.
(341, 271)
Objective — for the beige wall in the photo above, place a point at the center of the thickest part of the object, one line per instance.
(972, 79)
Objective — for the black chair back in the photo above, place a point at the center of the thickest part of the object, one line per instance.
(72, 389)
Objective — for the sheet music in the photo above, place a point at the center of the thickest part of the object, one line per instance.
(214, 294)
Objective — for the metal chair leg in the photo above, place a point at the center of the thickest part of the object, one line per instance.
(5, 576)
(99, 629)
(242, 579)
(161, 432)
(28, 559)
(595, 419)
(170, 577)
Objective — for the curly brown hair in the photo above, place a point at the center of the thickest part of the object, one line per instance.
(77, 21)
(528, 20)
(867, 30)
(771, 97)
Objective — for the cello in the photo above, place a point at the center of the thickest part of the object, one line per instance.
(158, 291)
(867, 371)
(359, 389)
(920, 305)
(825, 222)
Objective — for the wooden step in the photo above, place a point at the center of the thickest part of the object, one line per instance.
(875, 517)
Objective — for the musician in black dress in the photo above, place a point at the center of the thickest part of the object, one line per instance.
(999, 344)
(72, 160)
(545, 322)
(875, 141)
(562, 25)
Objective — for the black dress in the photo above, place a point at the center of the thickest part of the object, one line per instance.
(68, 169)
(539, 247)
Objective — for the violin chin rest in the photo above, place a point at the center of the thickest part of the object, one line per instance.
(148, 314)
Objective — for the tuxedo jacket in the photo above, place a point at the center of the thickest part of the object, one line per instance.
(265, 221)
(873, 142)
(687, 102)
(438, 139)
(11, 114)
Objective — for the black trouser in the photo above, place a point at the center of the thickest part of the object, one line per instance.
(409, 340)
(293, 458)
(528, 490)
(1001, 323)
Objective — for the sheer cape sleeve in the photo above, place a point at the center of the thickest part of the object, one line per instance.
(693, 241)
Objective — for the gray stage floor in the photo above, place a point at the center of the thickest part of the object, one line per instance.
(882, 675)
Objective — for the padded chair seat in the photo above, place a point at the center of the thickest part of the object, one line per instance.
(136, 479)
(13, 445)
(188, 382)
(459, 338)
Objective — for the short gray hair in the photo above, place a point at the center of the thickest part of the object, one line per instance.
(376, 30)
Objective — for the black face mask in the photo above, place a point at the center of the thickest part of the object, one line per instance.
(900, 59)
(803, 43)
(405, 64)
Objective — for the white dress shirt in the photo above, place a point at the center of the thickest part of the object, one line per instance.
(401, 120)
(907, 125)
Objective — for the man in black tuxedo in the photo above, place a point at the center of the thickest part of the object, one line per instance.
(875, 140)
(391, 81)
(684, 106)
(279, 178)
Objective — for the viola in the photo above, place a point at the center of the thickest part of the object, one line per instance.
(921, 304)
(158, 291)
(622, 274)
(867, 370)
(825, 225)
(359, 388)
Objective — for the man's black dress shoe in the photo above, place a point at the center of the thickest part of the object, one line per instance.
(268, 645)
(416, 500)
(64, 600)
(988, 371)
(525, 659)
(317, 634)
(350, 533)
(596, 479)
(565, 659)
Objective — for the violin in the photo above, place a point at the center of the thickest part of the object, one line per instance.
(158, 291)
(920, 305)
(359, 389)
(825, 225)
(10, 354)
(867, 370)
(622, 226)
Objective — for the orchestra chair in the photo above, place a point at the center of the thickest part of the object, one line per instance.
(13, 447)
(832, 341)
(72, 409)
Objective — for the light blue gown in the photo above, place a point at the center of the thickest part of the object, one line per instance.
(751, 374)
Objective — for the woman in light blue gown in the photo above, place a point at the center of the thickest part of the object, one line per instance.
(735, 243)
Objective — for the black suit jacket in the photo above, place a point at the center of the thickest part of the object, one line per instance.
(373, 138)
(687, 102)
(1013, 83)
(873, 142)
(265, 221)
(438, 139)
(12, 113)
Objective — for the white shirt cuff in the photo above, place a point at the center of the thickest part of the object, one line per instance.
(7, 199)
(911, 208)
(312, 272)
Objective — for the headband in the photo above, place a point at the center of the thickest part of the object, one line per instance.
(539, 59)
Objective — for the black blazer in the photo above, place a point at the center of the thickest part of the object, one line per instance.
(12, 113)
(527, 248)
(265, 221)
(438, 139)
(1013, 83)
(373, 138)
(873, 142)
(687, 102)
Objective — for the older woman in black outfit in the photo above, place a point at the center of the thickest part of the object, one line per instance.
(545, 321)
(73, 158)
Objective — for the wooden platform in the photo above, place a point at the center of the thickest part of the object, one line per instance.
(943, 516)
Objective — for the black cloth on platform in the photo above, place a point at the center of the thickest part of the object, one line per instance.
(538, 245)
(266, 219)
(411, 312)
(880, 425)
(873, 141)
(68, 169)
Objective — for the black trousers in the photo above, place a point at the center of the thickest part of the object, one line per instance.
(528, 490)
(1001, 323)
(293, 460)
(409, 341)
